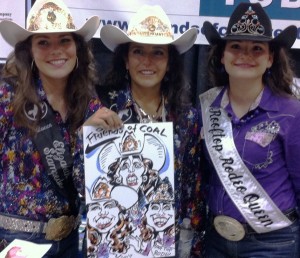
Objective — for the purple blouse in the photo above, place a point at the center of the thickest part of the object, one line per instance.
(23, 190)
(268, 140)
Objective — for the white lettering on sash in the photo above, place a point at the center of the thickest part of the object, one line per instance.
(250, 198)
(56, 153)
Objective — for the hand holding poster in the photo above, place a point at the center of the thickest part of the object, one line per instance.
(129, 179)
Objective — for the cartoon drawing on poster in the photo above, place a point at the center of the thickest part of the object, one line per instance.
(129, 180)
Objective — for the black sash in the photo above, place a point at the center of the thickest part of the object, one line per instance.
(56, 156)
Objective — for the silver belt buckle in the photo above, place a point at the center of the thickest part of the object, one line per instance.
(229, 228)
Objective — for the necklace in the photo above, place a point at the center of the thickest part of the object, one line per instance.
(145, 117)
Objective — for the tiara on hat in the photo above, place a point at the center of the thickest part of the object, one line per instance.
(249, 23)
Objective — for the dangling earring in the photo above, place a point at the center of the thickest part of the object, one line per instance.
(32, 65)
(76, 66)
(268, 72)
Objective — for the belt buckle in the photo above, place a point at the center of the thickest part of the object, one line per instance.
(59, 228)
(229, 228)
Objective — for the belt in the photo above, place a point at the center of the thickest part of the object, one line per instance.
(55, 229)
(292, 215)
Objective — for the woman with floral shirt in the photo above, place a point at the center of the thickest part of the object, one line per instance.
(147, 85)
(45, 97)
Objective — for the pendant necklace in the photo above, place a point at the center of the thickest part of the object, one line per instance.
(146, 118)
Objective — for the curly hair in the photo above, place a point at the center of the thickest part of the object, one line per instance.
(279, 77)
(174, 86)
(20, 72)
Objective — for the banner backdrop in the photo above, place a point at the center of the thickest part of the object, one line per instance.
(186, 14)
(13, 10)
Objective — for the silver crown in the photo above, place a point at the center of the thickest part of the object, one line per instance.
(249, 24)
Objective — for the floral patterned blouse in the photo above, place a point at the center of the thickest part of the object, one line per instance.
(188, 200)
(24, 187)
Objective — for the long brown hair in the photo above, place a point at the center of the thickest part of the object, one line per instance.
(20, 72)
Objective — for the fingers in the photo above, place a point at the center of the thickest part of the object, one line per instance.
(105, 118)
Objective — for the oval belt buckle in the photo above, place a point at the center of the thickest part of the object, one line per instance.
(59, 228)
(229, 228)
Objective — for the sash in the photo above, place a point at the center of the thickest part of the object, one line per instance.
(246, 193)
(56, 157)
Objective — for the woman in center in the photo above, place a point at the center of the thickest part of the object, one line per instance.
(146, 84)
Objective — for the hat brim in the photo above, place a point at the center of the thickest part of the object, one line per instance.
(13, 33)
(113, 36)
(285, 39)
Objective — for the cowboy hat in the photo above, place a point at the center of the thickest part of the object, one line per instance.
(47, 16)
(150, 25)
(102, 191)
(250, 22)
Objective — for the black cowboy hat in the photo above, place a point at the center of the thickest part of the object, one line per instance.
(250, 22)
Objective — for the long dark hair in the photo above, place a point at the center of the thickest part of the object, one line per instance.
(20, 72)
(174, 86)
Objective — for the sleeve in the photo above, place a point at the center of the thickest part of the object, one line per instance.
(192, 189)
(292, 152)
(78, 157)
(6, 112)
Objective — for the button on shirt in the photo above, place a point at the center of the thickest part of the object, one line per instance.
(186, 152)
(24, 190)
(268, 141)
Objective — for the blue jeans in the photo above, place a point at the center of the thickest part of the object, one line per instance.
(66, 248)
(282, 243)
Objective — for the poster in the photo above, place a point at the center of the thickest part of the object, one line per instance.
(129, 180)
(186, 14)
(26, 249)
(13, 10)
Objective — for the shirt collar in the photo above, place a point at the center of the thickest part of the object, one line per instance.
(266, 100)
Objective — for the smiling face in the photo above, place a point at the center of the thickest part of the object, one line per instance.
(246, 59)
(160, 215)
(103, 215)
(147, 64)
(54, 55)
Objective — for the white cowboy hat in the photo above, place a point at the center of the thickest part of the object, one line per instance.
(150, 25)
(152, 148)
(47, 16)
(124, 195)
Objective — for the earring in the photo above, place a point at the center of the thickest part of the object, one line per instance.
(76, 66)
(32, 65)
(268, 72)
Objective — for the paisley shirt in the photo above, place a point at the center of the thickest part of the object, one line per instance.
(24, 190)
(268, 141)
(186, 152)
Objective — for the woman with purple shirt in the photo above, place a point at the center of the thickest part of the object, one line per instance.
(251, 132)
